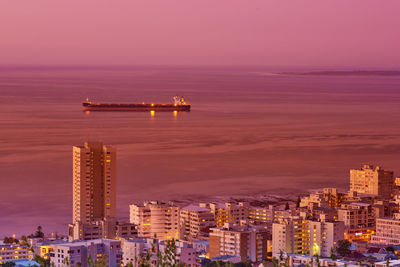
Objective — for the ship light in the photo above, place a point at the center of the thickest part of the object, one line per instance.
(152, 104)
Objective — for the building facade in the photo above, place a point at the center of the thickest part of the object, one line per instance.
(80, 253)
(195, 222)
(248, 242)
(228, 213)
(387, 231)
(94, 189)
(373, 181)
(359, 219)
(12, 252)
(156, 219)
(308, 237)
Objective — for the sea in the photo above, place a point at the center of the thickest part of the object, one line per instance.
(250, 131)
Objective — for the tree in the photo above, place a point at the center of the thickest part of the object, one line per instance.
(66, 261)
(165, 258)
(275, 262)
(333, 256)
(298, 202)
(343, 248)
(317, 260)
(97, 262)
(287, 206)
(42, 261)
(39, 232)
(281, 255)
(10, 240)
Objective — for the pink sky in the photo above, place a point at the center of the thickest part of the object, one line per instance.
(360, 33)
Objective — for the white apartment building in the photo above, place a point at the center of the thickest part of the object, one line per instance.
(387, 231)
(132, 249)
(229, 212)
(248, 242)
(357, 215)
(185, 252)
(12, 252)
(374, 181)
(94, 190)
(77, 253)
(195, 221)
(261, 215)
(267, 215)
(156, 219)
(125, 230)
(299, 236)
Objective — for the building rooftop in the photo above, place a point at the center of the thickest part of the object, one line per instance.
(137, 240)
(195, 208)
(224, 257)
(85, 242)
(202, 242)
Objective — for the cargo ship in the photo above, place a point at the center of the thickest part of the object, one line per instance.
(179, 104)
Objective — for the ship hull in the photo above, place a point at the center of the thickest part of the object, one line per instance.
(134, 107)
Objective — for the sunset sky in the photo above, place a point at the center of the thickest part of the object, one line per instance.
(336, 33)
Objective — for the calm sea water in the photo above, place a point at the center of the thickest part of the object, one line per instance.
(249, 132)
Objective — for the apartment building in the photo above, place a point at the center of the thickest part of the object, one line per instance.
(359, 219)
(12, 252)
(78, 253)
(134, 248)
(125, 230)
(195, 222)
(374, 181)
(94, 189)
(228, 213)
(309, 237)
(156, 219)
(387, 231)
(248, 242)
(328, 198)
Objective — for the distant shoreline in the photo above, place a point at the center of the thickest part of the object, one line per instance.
(347, 73)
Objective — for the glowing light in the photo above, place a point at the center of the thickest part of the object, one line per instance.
(152, 104)
(87, 112)
(152, 112)
(175, 113)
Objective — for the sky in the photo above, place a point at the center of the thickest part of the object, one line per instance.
(335, 33)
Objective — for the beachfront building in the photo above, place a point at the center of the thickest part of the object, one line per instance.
(78, 253)
(94, 191)
(248, 242)
(373, 181)
(156, 219)
(229, 212)
(309, 237)
(195, 222)
(12, 252)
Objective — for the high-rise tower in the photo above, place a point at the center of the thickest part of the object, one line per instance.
(94, 188)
